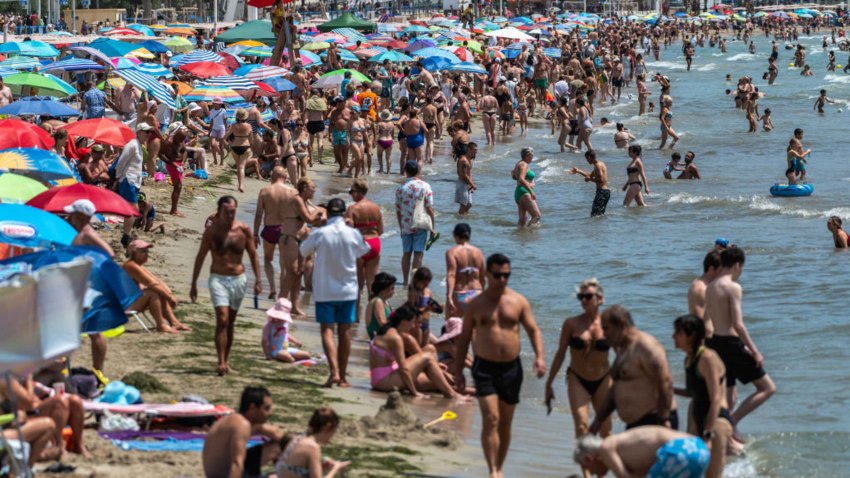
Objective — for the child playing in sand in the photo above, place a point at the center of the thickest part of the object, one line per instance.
(146, 220)
(276, 338)
(767, 120)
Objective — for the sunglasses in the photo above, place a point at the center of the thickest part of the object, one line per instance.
(500, 275)
(585, 296)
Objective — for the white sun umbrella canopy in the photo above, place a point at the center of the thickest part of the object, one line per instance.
(468, 67)
(264, 72)
(511, 33)
(41, 315)
(330, 82)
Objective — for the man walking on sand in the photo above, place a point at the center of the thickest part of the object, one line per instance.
(415, 225)
(492, 322)
(337, 247)
(642, 392)
(228, 240)
(226, 453)
(730, 339)
(270, 213)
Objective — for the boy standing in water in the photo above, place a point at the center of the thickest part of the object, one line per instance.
(822, 101)
(729, 337)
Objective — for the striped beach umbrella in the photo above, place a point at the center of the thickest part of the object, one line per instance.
(259, 74)
(154, 69)
(206, 69)
(147, 83)
(258, 51)
(73, 64)
(196, 57)
(20, 63)
(209, 92)
(234, 82)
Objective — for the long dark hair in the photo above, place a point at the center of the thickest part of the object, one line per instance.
(405, 312)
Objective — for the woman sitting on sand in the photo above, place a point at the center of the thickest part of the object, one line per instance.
(839, 236)
(705, 377)
(301, 455)
(389, 368)
(588, 380)
(378, 310)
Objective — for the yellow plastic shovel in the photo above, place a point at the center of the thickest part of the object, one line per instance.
(446, 416)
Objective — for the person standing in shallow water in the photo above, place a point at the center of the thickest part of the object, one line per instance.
(491, 322)
(524, 193)
(599, 175)
(636, 179)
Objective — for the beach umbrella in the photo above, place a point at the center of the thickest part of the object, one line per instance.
(435, 63)
(20, 134)
(316, 45)
(143, 29)
(123, 63)
(73, 65)
(367, 52)
(416, 29)
(178, 44)
(181, 30)
(462, 53)
(105, 201)
(29, 48)
(102, 130)
(153, 69)
(15, 188)
(35, 163)
(393, 56)
(153, 46)
(26, 226)
(428, 52)
(330, 82)
(4, 72)
(467, 67)
(45, 83)
(420, 44)
(307, 58)
(345, 55)
(112, 48)
(280, 84)
(38, 106)
(210, 92)
(206, 69)
(81, 51)
(258, 51)
(264, 72)
(180, 87)
(234, 82)
(20, 63)
(123, 32)
(355, 75)
(523, 20)
(197, 56)
(231, 61)
(247, 43)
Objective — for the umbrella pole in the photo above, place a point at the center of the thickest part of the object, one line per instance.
(14, 460)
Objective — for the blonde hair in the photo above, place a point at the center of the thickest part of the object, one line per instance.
(586, 445)
(592, 282)
(303, 183)
(241, 114)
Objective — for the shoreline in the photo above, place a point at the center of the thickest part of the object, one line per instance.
(185, 364)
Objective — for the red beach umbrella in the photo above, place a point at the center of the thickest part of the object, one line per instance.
(105, 201)
(396, 44)
(102, 130)
(20, 134)
(206, 69)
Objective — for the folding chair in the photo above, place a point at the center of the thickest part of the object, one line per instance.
(142, 318)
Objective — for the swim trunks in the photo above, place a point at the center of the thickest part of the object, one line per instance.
(375, 249)
(681, 458)
(340, 138)
(740, 363)
(654, 419)
(463, 195)
(600, 202)
(315, 127)
(541, 83)
(175, 171)
(336, 312)
(271, 234)
(227, 291)
(498, 378)
(573, 127)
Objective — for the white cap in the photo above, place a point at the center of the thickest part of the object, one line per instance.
(144, 127)
(82, 206)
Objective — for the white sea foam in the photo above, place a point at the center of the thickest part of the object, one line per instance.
(759, 203)
(707, 67)
(834, 78)
(741, 57)
(670, 65)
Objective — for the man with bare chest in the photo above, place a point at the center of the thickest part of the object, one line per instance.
(642, 392)
(491, 322)
(270, 214)
(228, 240)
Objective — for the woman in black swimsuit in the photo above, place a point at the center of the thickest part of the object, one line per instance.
(637, 178)
(239, 136)
(588, 380)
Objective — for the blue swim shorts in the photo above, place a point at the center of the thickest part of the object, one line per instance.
(336, 312)
(414, 242)
(681, 458)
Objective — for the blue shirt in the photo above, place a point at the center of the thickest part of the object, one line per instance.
(94, 102)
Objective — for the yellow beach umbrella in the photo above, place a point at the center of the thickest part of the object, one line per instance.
(316, 45)
(247, 43)
(142, 53)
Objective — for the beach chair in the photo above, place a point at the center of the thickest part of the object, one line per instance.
(142, 318)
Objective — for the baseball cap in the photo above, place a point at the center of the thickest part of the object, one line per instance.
(82, 206)
(144, 127)
(336, 207)
(97, 147)
(138, 245)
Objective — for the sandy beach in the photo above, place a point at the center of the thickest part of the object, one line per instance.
(392, 444)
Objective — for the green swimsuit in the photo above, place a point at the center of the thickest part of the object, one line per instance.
(521, 191)
(373, 327)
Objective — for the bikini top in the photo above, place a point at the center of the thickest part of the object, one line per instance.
(578, 343)
(357, 129)
(300, 143)
(632, 170)
(362, 225)
(381, 352)
(296, 470)
(468, 270)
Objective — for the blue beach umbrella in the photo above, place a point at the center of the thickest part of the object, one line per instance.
(416, 29)
(27, 226)
(38, 106)
(197, 56)
(421, 44)
(29, 48)
(153, 46)
(20, 63)
(110, 290)
(35, 163)
(153, 69)
(113, 48)
(4, 72)
(431, 52)
(244, 70)
(143, 29)
(468, 67)
(74, 65)
(280, 84)
(435, 63)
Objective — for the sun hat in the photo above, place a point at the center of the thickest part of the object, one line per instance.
(138, 245)
(386, 115)
(453, 327)
(82, 206)
(218, 101)
(280, 310)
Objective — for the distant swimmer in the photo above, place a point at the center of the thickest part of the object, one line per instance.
(690, 170)
(839, 236)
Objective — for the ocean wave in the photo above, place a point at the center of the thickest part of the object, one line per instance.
(741, 56)
(758, 203)
(707, 67)
(670, 65)
(834, 78)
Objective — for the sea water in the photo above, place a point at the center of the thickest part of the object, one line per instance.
(795, 284)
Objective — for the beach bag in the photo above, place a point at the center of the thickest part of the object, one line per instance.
(421, 219)
(201, 174)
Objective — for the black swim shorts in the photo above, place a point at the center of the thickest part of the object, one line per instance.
(498, 378)
(315, 127)
(600, 202)
(740, 363)
(655, 419)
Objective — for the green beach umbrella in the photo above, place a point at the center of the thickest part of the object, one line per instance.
(47, 84)
(355, 75)
(15, 188)
(178, 44)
